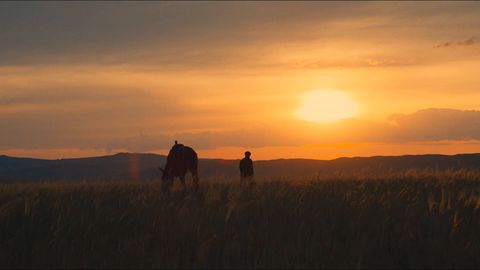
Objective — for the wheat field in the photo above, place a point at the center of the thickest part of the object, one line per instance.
(404, 220)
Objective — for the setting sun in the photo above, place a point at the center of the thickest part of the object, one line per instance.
(326, 106)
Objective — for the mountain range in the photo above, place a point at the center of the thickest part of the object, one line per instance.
(136, 166)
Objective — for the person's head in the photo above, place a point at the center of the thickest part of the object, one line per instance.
(248, 154)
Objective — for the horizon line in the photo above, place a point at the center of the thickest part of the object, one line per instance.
(275, 159)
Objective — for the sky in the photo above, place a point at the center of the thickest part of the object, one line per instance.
(84, 79)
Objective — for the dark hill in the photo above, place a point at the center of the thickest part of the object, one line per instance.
(128, 166)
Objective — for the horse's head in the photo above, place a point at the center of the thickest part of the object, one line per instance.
(166, 178)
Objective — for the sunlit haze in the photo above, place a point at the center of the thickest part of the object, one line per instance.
(326, 106)
(282, 79)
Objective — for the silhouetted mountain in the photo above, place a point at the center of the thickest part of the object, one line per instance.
(128, 166)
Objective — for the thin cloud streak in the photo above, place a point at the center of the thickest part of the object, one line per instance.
(424, 126)
(466, 42)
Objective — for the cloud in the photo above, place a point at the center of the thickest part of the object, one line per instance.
(135, 121)
(67, 95)
(466, 42)
(201, 140)
(33, 33)
(435, 125)
(427, 126)
(361, 62)
(73, 116)
(190, 35)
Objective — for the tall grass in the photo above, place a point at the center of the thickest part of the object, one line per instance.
(405, 220)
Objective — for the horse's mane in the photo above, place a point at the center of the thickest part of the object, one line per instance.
(176, 150)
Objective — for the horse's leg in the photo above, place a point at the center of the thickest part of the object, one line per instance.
(166, 184)
(170, 183)
(195, 180)
(184, 186)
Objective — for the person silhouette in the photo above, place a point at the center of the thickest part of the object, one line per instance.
(246, 169)
(177, 147)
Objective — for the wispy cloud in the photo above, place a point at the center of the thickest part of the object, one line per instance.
(198, 35)
(466, 42)
(366, 62)
(72, 130)
(424, 126)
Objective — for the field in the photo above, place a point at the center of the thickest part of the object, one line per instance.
(408, 220)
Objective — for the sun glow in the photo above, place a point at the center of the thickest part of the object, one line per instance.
(326, 106)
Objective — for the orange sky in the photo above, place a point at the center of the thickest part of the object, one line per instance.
(225, 77)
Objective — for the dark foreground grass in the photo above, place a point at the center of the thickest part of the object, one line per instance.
(424, 222)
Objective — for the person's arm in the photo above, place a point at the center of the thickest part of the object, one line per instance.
(250, 165)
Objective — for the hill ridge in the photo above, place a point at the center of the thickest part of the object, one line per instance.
(143, 166)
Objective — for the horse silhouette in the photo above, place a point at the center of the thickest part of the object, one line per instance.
(180, 160)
